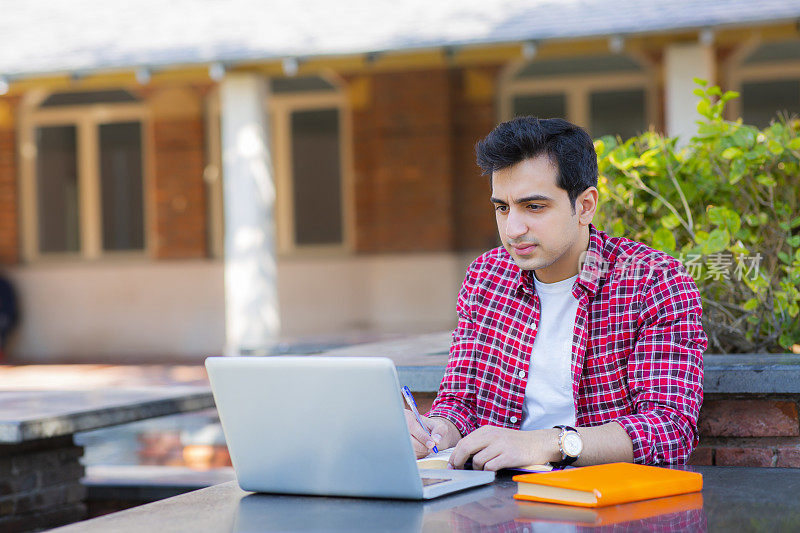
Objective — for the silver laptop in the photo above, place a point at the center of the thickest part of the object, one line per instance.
(331, 426)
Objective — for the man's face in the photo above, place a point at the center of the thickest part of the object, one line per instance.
(535, 218)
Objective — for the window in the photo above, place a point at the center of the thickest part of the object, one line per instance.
(768, 78)
(621, 112)
(607, 95)
(83, 180)
(762, 102)
(309, 125)
(316, 166)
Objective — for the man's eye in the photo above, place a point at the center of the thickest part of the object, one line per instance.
(535, 207)
(501, 208)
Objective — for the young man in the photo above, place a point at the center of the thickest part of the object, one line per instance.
(572, 347)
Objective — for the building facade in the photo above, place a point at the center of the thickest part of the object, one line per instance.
(120, 209)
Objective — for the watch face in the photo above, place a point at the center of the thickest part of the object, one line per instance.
(572, 444)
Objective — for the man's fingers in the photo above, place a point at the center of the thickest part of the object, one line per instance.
(484, 456)
(417, 433)
(464, 450)
(496, 463)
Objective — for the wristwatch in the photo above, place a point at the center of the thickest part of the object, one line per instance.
(570, 444)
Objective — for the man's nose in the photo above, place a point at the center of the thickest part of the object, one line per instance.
(515, 227)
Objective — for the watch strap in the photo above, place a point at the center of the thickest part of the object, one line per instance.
(566, 460)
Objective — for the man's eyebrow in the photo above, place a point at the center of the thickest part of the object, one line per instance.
(526, 199)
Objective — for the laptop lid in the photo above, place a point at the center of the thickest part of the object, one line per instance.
(315, 425)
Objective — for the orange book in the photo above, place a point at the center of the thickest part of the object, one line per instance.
(613, 514)
(609, 484)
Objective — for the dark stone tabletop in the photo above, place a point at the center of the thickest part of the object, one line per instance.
(36, 414)
(733, 499)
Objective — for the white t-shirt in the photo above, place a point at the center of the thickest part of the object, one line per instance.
(548, 394)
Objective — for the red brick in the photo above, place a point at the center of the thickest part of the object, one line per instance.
(9, 226)
(749, 418)
(402, 145)
(702, 456)
(179, 192)
(788, 456)
(744, 457)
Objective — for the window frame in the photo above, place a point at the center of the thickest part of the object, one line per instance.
(278, 109)
(577, 89)
(87, 120)
(737, 73)
(281, 107)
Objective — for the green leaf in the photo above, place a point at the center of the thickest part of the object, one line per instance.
(717, 241)
(783, 256)
(794, 241)
(795, 222)
(750, 304)
(700, 81)
(794, 144)
(786, 341)
(725, 217)
(775, 147)
(729, 95)
(699, 92)
(737, 171)
(767, 181)
(670, 221)
(732, 152)
(704, 108)
(752, 219)
(664, 240)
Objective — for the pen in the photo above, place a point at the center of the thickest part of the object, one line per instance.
(413, 405)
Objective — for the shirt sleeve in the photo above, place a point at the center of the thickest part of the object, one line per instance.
(456, 398)
(665, 373)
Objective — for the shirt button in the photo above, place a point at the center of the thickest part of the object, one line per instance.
(513, 419)
(521, 374)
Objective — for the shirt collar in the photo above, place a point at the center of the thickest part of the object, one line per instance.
(592, 268)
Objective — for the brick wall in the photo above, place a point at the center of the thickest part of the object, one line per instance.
(745, 430)
(179, 191)
(402, 147)
(40, 485)
(9, 213)
(474, 116)
(749, 431)
(417, 185)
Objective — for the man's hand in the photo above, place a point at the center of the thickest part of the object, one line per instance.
(445, 434)
(493, 448)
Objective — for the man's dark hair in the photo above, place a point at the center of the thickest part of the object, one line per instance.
(568, 146)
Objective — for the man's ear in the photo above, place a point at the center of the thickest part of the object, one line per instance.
(586, 205)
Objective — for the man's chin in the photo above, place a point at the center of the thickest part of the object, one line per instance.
(527, 263)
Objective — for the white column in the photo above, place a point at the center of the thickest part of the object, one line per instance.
(683, 63)
(251, 300)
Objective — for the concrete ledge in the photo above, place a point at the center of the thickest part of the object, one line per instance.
(752, 374)
(421, 362)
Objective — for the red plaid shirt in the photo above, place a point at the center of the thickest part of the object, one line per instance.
(637, 347)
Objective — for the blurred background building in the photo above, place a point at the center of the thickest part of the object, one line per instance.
(185, 178)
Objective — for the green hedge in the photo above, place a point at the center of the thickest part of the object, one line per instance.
(725, 203)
